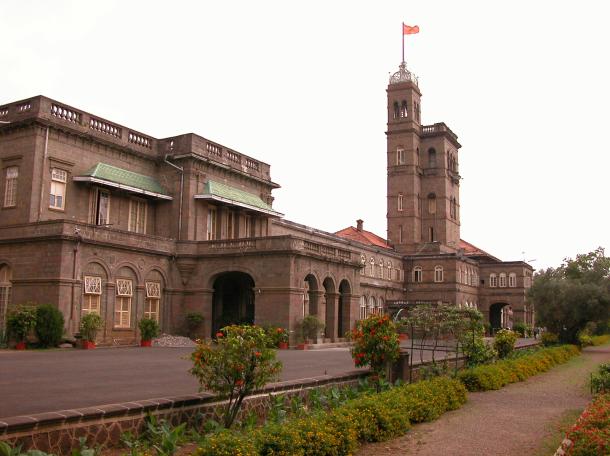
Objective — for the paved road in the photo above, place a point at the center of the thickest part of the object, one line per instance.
(43, 381)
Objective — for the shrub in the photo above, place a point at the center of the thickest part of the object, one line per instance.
(149, 328)
(276, 335)
(521, 329)
(548, 339)
(477, 351)
(227, 443)
(584, 340)
(310, 327)
(600, 340)
(49, 325)
(20, 322)
(90, 324)
(496, 375)
(600, 381)
(504, 342)
(375, 343)
(591, 433)
(235, 364)
(194, 320)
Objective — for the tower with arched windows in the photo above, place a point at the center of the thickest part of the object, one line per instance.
(423, 177)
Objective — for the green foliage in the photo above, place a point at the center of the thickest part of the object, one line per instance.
(90, 324)
(521, 329)
(7, 450)
(600, 340)
(20, 321)
(504, 342)
(573, 295)
(235, 364)
(477, 351)
(591, 433)
(600, 381)
(49, 325)
(84, 450)
(276, 335)
(549, 339)
(368, 418)
(310, 327)
(495, 376)
(164, 438)
(3, 339)
(584, 339)
(193, 320)
(375, 343)
(149, 328)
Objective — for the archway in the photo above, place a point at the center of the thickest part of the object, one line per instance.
(311, 295)
(330, 298)
(344, 308)
(233, 301)
(500, 316)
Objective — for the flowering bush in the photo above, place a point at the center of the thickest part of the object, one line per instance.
(504, 342)
(600, 381)
(591, 433)
(235, 364)
(375, 343)
(276, 335)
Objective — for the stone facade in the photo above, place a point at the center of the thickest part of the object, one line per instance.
(97, 217)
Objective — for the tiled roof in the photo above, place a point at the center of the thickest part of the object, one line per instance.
(362, 236)
(231, 195)
(472, 250)
(112, 174)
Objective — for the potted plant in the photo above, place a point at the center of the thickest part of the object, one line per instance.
(310, 329)
(19, 323)
(278, 337)
(149, 329)
(90, 324)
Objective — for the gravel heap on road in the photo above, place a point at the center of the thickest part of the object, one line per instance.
(167, 340)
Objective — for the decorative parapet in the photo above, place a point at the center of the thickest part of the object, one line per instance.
(80, 121)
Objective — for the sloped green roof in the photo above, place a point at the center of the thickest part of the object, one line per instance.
(109, 173)
(226, 193)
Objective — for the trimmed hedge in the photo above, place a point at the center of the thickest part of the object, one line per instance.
(369, 418)
(495, 376)
(600, 340)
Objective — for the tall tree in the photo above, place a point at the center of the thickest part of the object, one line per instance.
(576, 293)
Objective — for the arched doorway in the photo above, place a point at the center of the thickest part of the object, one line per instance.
(500, 316)
(344, 314)
(233, 301)
(330, 314)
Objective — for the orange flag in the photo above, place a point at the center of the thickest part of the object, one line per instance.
(409, 30)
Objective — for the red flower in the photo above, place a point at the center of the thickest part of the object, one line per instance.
(219, 334)
(257, 354)
(239, 382)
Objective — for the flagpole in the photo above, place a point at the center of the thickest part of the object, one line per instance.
(403, 41)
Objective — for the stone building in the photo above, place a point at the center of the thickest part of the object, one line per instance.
(98, 217)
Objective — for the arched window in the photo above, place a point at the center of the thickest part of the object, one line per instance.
(438, 274)
(5, 292)
(432, 203)
(403, 109)
(493, 280)
(396, 110)
(362, 307)
(380, 270)
(466, 276)
(417, 274)
(400, 202)
(388, 271)
(512, 280)
(380, 306)
(431, 158)
(152, 304)
(92, 295)
(503, 280)
(372, 305)
(372, 270)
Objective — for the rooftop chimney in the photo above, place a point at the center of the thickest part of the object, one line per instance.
(359, 224)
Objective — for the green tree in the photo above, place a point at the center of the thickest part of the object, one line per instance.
(576, 293)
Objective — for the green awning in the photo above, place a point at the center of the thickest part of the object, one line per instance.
(223, 193)
(126, 180)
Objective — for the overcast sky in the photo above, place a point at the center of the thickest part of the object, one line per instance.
(301, 86)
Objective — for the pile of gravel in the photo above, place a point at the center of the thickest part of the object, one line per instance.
(167, 340)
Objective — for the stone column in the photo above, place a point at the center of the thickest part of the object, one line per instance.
(332, 315)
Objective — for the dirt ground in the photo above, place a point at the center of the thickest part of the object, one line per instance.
(515, 420)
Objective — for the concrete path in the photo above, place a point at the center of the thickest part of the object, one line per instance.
(515, 420)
